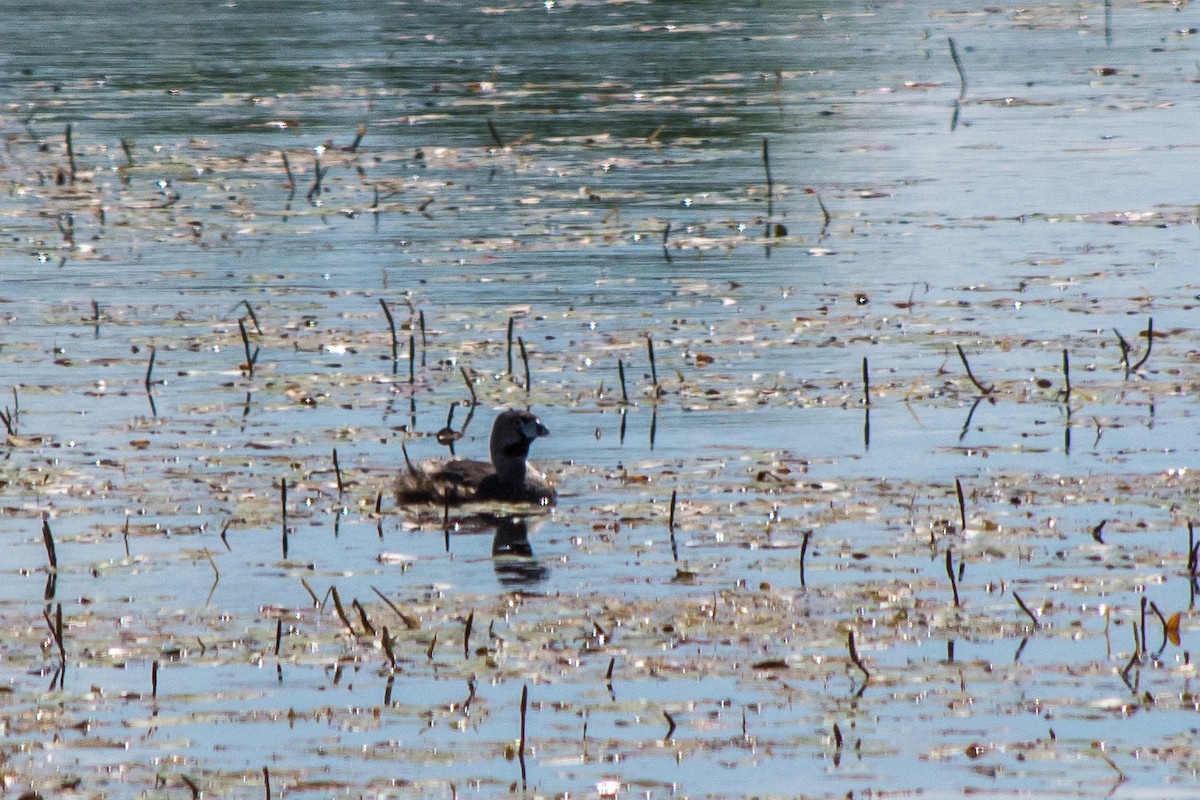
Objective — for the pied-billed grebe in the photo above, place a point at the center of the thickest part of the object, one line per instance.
(505, 479)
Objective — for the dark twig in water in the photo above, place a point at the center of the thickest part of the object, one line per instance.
(963, 357)
(1098, 531)
(621, 373)
(1066, 364)
(362, 617)
(48, 540)
(283, 517)
(666, 236)
(962, 75)
(387, 312)
(412, 359)
(150, 370)
(470, 387)
(866, 375)
(1025, 608)
(470, 623)
(127, 148)
(525, 363)
(653, 369)
(950, 573)
(267, 781)
(253, 317)
(1125, 348)
(521, 742)
(337, 471)
(192, 787)
(1193, 556)
(824, 211)
(358, 137)
(803, 552)
(409, 622)
(670, 726)
(287, 168)
(250, 357)
(1149, 345)
(671, 530)
(854, 655)
(962, 504)
(70, 153)
(509, 338)
(766, 159)
(154, 679)
(341, 611)
(495, 134)
(318, 175)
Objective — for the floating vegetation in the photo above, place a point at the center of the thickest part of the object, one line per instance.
(873, 436)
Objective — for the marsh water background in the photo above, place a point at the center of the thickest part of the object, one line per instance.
(619, 195)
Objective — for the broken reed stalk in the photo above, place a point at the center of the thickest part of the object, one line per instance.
(278, 636)
(608, 673)
(1066, 364)
(621, 373)
(154, 679)
(387, 312)
(1143, 639)
(525, 363)
(337, 470)
(1193, 556)
(127, 147)
(666, 236)
(283, 516)
(854, 656)
(653, 368)
(267, 781)
(1125, 348)
(287, 169)
(253, 317)
(521, 743)
(670, 726)
(766, 159)
(962, 75)
(70, 153)
(211, 563)
(470, 386)
(341, 611)
(48, 539)
(495, 133)
(671, 517)
(358, 137)
(150, 369)
(192, 787)
(412, 360)
(1149, 345)
(824, 211)
(470, 623)
(1025, 608)
(971, 375)
(962, 504)
(803, 553)
(250, 358)
(950, 573)
(866, 375)
(385, 640)
(318, 174)
(509, 338)
(409, 622)
(362, 617)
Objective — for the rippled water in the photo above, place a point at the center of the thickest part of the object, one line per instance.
(619, 196)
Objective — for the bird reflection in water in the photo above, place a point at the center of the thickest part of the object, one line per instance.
(512, 555)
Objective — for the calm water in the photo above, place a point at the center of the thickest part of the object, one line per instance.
(1055, 204)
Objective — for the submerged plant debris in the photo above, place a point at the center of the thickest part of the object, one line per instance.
(871, 374)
